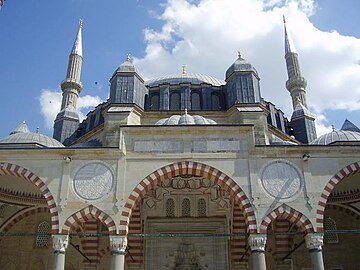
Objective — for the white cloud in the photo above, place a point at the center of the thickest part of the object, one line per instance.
(206, 34)
(50, 103)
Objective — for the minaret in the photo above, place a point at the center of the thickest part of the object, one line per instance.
(67, 120)
(302, 120)
(296, 84)
(1, 3)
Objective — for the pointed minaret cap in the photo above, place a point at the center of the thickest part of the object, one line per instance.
(77, 48)
(289, 44)
(349, 126)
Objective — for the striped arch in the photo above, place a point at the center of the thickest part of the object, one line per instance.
(290, 214)
(85, 214)
(18, 171)
(20, 215)
(349, 170)
(188, 168)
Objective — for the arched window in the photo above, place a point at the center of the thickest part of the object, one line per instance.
(185, 208)
(215, 101)
(195, 100)
(201, 208)
(175, 101)
(329, 226)
(170, 208)
(42, 235)
(154, 102)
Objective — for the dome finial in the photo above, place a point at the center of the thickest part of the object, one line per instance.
(239, 54)
(186, 112)
(128, 57)
(184, 69)
(284, 19)
(333, 127)
(81, 23)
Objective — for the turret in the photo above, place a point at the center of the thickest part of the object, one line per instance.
(127, 86)
(242, 83)
(67, 120)
(302, 120)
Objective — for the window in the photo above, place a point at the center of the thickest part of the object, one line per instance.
(201, 208)
(330, 237)
(195, 101)
(42, 235)
(215, 101)
(175, 101)
(170, 208)
(185, 208)
(154, 102)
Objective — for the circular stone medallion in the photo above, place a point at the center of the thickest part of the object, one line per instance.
(281, 179)
(93, 181)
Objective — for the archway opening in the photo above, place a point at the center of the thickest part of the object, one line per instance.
(188, 220)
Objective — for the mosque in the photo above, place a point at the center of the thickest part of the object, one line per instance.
(181, 172)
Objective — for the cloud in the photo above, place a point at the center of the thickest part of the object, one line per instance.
(206, 35)
(50, 103)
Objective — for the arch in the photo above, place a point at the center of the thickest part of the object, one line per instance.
(84, 215)
(348, 170)
(290, 214)
(344, 209)
(18, 171)
(188, 168)
(20, 215)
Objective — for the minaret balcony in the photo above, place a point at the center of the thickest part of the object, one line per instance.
(297, 82)
(71, 84)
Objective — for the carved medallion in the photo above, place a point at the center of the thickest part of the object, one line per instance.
(281, 179)
(93, 181)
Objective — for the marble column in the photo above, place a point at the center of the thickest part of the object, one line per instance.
(257, 244)
(314, 242)
(60, 243)
(118, 244)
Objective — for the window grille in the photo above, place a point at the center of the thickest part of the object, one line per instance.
(330, 237)
(170, 208)
(185, 208)
(42, 235)
(201, 208)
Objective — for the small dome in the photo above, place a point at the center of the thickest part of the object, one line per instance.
(337, 136)
(126, 67)
(185, 119)
(22, 135)
(185, 78)
(240, 65)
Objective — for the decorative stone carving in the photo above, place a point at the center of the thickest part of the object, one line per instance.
(314, 241)
(257, 242)
(282, 180)
(93, 181)
(118, 244)
(60, 242)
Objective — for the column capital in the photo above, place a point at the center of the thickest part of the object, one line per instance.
(118, 244)
(60, 242)
(257, 242)
(314, 241)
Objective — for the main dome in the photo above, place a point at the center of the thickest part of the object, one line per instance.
(191, 78)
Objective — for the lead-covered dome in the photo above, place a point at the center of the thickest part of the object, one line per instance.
(185, 119)
(240, 65)
(191, 78)
(337, 136)
(22, 136)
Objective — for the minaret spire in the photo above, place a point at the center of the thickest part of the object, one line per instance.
(67, 119)
(296, 84)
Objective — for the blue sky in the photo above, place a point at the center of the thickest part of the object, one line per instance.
(37, 36)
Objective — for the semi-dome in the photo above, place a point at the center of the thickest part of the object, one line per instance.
(240, 65)
(337, 136)
(22, 136)
(191, 78)
(185, 119)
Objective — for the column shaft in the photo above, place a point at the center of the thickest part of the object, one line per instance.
(60, 243)
(59, 260)
(314, 242)
(259, 262)
(118, 245)
(117, 260)
(317, 261)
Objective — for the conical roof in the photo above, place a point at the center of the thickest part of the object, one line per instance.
(349, 126)
(240, 65)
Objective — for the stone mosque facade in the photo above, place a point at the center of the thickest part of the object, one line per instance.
(181, 172)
